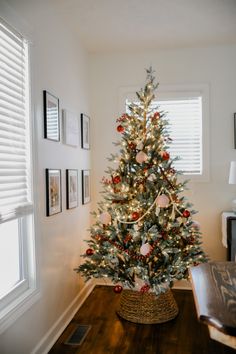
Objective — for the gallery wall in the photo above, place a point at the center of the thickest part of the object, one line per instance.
(59, 65)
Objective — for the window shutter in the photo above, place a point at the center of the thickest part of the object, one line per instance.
(15, 196)
(185, 128)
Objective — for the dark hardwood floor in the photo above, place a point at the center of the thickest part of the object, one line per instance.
(111, 334)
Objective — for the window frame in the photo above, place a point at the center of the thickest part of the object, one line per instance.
(27, 291)
(165, 91)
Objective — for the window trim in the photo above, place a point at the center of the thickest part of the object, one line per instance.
(21, 301)
(178, 91)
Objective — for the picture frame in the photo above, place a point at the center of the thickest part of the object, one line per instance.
(71, 188)
(51, 116)
(53, 192)
(70, 128)
(86, 192)
(235, 130)
(85, 131)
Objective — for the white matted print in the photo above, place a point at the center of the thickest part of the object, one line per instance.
(85, 132)
(86, 197)
(71, 189)
(70, 128)
(53, 192)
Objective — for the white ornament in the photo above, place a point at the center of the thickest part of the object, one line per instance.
(141, 157)
(105, 218)
(162, 201)
(145, 249)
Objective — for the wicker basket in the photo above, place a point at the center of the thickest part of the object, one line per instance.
(147, 308)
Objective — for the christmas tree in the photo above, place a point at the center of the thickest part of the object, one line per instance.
(144, 236)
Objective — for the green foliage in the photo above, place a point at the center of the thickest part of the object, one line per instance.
(144, 239)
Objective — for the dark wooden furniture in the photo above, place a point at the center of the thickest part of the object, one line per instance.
(214, 288)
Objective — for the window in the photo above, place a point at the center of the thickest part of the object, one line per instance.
(187, 111)
(185, 129)
(17, 263)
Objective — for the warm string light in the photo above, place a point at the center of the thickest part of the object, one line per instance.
(136, 193)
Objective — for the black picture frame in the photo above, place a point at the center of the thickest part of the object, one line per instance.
(71, 188)
(53, 192)
(86, 189)
(85, 131)
(51, 116)
(235, 130)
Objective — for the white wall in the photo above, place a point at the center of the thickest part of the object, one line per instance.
(59, 66)
(214, 66)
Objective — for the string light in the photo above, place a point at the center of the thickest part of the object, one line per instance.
(118, 244)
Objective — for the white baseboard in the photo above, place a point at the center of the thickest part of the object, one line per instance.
(59, 326)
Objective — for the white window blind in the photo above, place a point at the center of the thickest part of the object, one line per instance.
(15, 191)
(187, 110)
(185, 127)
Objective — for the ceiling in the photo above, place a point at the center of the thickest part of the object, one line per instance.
(133, 25)
(105, 26)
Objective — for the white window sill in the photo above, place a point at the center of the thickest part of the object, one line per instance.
(18, 307)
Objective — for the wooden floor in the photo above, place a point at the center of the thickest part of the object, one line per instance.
(111, 334)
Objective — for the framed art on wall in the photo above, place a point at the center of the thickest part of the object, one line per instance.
(51, 116)
(85, 131)
(86, 186)
(71, 189)
(70, 128)
(53, 192)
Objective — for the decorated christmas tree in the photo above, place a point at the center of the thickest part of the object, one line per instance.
(144, 236)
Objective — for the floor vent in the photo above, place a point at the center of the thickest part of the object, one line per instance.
(78, 335)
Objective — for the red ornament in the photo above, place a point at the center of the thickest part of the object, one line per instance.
(120, 128)
(89, 252)
(117, 289)
(165, 155)
(116, 179)
(132, 146)
(135, 215)
(186, 213)
(156, 115)
(145, 288)
(127, 238)
(164, 235)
